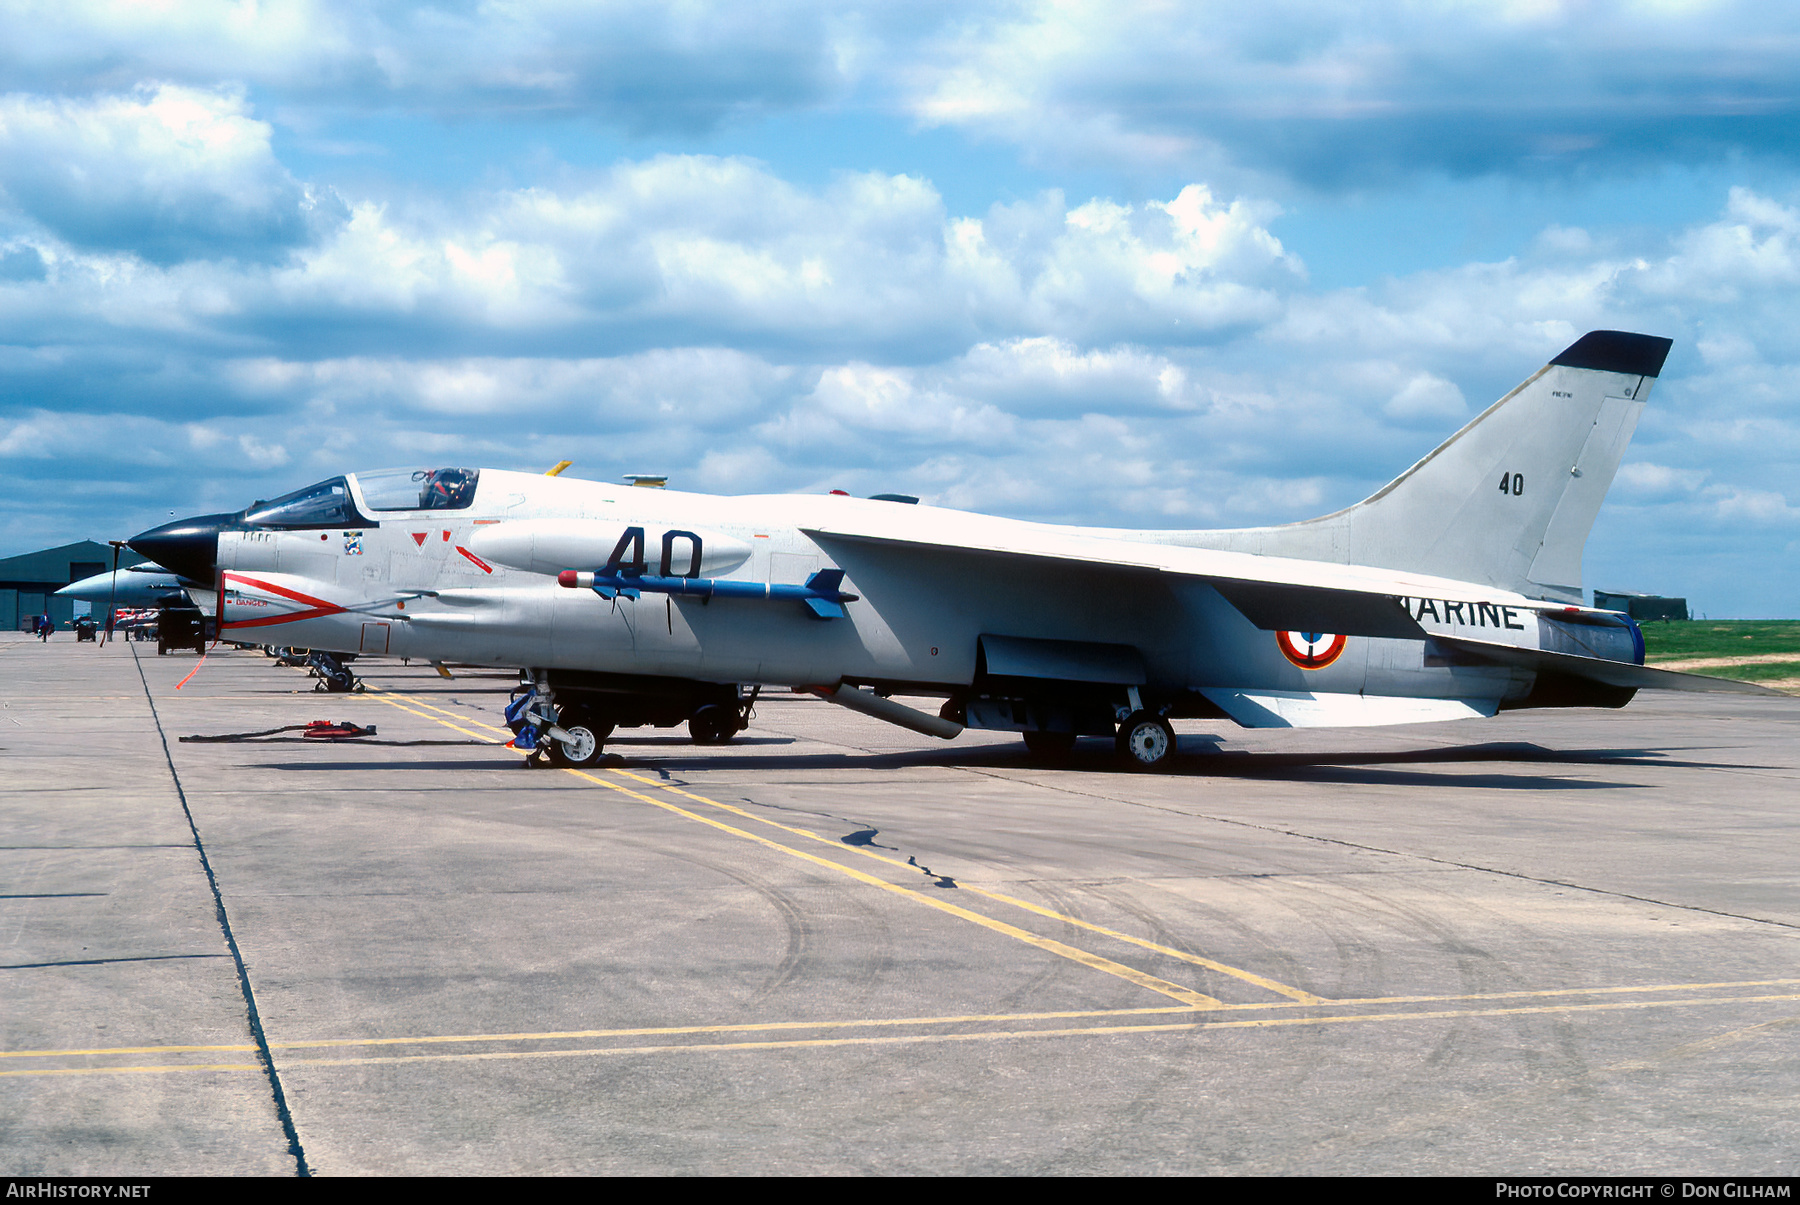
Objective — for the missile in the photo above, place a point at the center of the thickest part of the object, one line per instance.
(822, 593)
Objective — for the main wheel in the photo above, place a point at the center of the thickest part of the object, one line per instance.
(587, 739)
(712, 725)
(1145, 741)
(1049, 746)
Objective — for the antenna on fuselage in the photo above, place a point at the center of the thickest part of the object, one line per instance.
(560, 466)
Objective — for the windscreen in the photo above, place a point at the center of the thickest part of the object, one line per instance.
(418, 489)
(326, 504)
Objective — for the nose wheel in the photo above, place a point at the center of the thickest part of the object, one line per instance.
(1145, 741)
(586, 739)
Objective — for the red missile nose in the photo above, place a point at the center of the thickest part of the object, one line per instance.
(566, 579)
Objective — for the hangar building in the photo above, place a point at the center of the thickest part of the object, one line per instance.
(29, 581)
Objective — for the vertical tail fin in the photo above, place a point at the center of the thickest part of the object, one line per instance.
(1507, 501)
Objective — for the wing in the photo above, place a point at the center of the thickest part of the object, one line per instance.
(1281, 593)
(1274, 593)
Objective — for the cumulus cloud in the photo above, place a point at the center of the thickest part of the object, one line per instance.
(646, 66)
(695, 250)
(1162, 362)
(1645, 479)
(1333, 94)
(166, 173)
(1338, 94)
(1426, 396)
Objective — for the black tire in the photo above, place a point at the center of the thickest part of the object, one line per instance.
(590, 737)
(1145, 742)
(713, 725)
(1049, 746)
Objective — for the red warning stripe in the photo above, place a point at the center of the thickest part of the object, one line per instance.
(483, 565)
(319, 607)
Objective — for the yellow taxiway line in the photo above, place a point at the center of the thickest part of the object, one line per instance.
(1093, 960)
(1168, 1026)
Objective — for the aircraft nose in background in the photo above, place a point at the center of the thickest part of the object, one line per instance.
(189, 547)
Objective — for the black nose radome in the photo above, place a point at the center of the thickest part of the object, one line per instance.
(189, 547)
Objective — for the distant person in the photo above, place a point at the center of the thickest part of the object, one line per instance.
(44, 628)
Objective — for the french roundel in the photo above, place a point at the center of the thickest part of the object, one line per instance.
(1311, 650)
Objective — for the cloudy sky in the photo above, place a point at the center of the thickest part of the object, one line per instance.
(1169, 264)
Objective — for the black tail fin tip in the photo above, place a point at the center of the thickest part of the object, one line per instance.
(1617, 351)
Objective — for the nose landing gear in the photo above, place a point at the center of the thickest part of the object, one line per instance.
(585, 741)
(573, 737)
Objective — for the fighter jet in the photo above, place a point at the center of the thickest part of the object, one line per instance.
(136, 586)
(1453, 592)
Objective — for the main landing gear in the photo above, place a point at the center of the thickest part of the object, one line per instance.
(1143, 738)
(716, 724)
(1145, 741)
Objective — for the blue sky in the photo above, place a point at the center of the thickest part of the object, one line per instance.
(1182, 265)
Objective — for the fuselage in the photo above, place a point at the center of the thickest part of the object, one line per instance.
(476, 584)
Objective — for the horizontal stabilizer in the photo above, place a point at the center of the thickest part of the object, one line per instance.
(1594, 669)
(1283, 608)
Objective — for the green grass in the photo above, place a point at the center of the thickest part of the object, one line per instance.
(1725, 638)
(1768, 671)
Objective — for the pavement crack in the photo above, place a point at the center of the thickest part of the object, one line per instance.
(263, 1054)
(95, 962)
(943, 880)
(865, 838)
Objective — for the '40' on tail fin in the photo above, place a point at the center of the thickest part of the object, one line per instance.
(1509, 500)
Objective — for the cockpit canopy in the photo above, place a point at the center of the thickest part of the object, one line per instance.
(329, 503)
(419, 489)
(326, 504)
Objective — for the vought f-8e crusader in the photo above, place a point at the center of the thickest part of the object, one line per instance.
(1453, 592)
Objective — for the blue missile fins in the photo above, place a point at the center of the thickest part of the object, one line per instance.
(825, 597)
